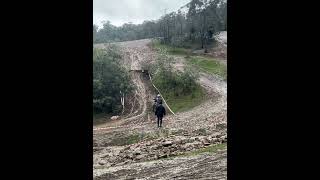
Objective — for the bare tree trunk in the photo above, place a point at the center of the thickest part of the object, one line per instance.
(201, 40)
(205, 44)
(168, 32)
(205, 31)
(205, 36)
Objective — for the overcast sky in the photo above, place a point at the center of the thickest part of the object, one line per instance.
(119, 12)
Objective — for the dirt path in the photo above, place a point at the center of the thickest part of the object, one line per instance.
(205, 117)
(134, 53)
(197, 167)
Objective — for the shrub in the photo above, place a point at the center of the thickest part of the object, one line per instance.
(109, 79)
(173, 82)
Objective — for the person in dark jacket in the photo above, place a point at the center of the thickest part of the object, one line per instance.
(160, 112)
(157, 99)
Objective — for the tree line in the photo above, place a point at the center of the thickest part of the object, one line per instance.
(196, 22)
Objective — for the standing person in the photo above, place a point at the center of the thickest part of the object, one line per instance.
(160, 112)
(157, 99)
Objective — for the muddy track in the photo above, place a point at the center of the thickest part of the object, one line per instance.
(134, 53)
(203, 166)
(205, 117)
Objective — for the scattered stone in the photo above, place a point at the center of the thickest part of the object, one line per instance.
(213, 140)
(155, 147)
(139, 157)
(184, 140)
(205, 142)
(102, 162)
(137, 152)
(114, 117)
(162, 156)
(167, 143)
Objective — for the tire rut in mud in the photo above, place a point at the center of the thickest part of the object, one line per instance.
(205, 166)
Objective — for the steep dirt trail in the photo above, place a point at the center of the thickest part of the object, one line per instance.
(134, 53)
(207, 116)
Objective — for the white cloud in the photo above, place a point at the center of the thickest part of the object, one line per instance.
(135, 11)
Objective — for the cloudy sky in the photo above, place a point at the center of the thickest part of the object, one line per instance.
(135, 11)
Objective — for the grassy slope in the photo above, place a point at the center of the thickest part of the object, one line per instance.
(204, 63)
(210, 65)
(170, 49)
(183, 103)
(209, 149)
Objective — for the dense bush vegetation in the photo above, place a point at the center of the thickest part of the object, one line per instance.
(109, 79)
(175, 82)
(180, 89)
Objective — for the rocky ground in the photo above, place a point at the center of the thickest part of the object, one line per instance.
(134, 148)
(203, 166)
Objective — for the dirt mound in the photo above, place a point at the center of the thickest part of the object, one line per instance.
(154, 149)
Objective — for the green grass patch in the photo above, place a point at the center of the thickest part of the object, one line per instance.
(184, 103)
(178, 51)
(209, 64)
(170, 49)
(209, 149)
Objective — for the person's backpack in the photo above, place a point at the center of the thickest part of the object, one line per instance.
(155, 104)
